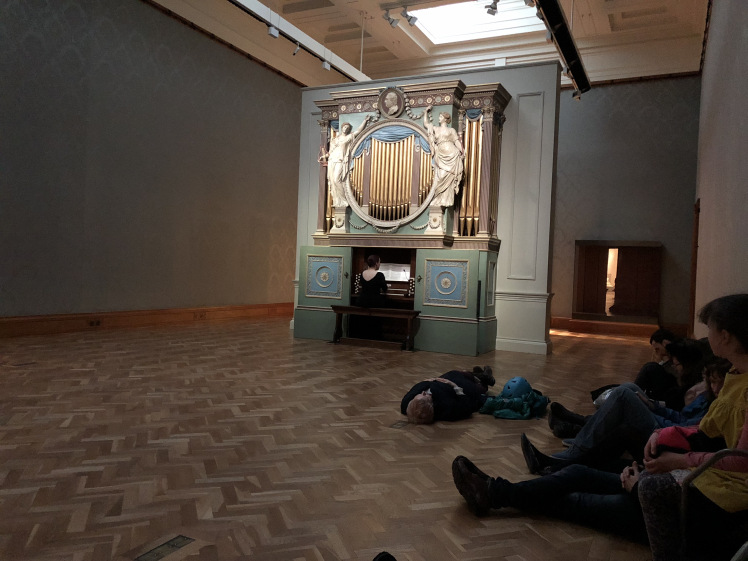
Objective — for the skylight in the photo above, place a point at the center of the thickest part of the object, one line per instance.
(469, 21)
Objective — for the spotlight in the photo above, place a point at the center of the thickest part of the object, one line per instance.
(409, 18)
(567, 72)
(577, 95)
(548, 37)
(492, 7)
(530, 3)
(392, 21)
(325, 65)
(273, 31)
(540, 15)
(296, 50)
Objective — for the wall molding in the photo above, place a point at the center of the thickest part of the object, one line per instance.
(65, 323)
(523, 296)
(524, 346)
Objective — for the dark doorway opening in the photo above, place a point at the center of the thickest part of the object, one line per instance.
(617, 281)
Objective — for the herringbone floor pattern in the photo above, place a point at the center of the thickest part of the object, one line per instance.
(262, 447)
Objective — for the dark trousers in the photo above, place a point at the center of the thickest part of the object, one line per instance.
(579, 494)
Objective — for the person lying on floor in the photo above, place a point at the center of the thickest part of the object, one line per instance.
(624, 423)
(584, 495)
(453, 396)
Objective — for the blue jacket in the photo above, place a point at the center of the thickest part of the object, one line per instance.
(691, 414)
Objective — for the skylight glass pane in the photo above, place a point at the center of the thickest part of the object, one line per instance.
(469, 21)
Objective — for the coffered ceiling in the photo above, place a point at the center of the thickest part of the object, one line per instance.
(617, 39)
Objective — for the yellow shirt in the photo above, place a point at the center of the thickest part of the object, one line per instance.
(726, 417)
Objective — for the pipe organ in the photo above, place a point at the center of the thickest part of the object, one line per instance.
(400, 146)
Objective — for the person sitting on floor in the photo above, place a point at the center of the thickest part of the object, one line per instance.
(718, 499)
(567, 424)
(453, 396)
(657, 377)
(624, 423)
(603, 500)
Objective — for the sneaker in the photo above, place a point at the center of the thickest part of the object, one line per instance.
(561, 413)
(528, 451)
(537, 462)
(485, 375)
(472, 484)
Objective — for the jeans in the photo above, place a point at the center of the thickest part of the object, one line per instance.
(579, 494)
(623, 423)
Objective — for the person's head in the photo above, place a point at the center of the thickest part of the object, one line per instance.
(727, 320)
(714, 375)
(373, 261)
(446, 117)
(420, 410)
(687, 359)
(390, 100)
(659, 340)
(345, 128)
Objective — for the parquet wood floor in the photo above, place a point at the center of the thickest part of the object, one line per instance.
(262, 447)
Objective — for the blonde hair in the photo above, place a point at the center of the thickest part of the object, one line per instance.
(420, 411)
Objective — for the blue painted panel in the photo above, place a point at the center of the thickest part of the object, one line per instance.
(446, 283)
(324, 276)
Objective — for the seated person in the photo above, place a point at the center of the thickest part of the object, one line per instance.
(720, 494)
(658, 376)
(453, 396)
(602, 500)
(373, 285)
(624, 423)
(567, 424)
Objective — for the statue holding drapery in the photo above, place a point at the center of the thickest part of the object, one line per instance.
(448, 158)
(338, 161)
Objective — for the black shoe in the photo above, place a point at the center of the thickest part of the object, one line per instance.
(484, 375)
(472, 484)
(537, 462)
(562, 429)
(561, 413)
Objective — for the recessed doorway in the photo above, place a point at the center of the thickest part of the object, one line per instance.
(617, 281)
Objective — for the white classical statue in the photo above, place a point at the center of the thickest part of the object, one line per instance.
(448, 159)
(338, 160)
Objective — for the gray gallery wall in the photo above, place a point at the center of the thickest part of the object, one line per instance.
(723, 165)
(142, 164)
(626, 170)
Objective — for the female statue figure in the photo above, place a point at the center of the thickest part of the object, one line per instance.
(448, 158)
(338, 161)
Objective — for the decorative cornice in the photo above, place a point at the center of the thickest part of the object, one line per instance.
(372, 239)
(486, 96)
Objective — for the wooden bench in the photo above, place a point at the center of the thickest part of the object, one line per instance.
(408, 315)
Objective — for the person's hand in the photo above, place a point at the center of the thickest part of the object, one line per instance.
(629, 476)
(650, 448)
(648, 402)
(665, 462)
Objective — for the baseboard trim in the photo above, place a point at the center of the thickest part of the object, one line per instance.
(610, 327)
(521, 346)
(65, 323)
